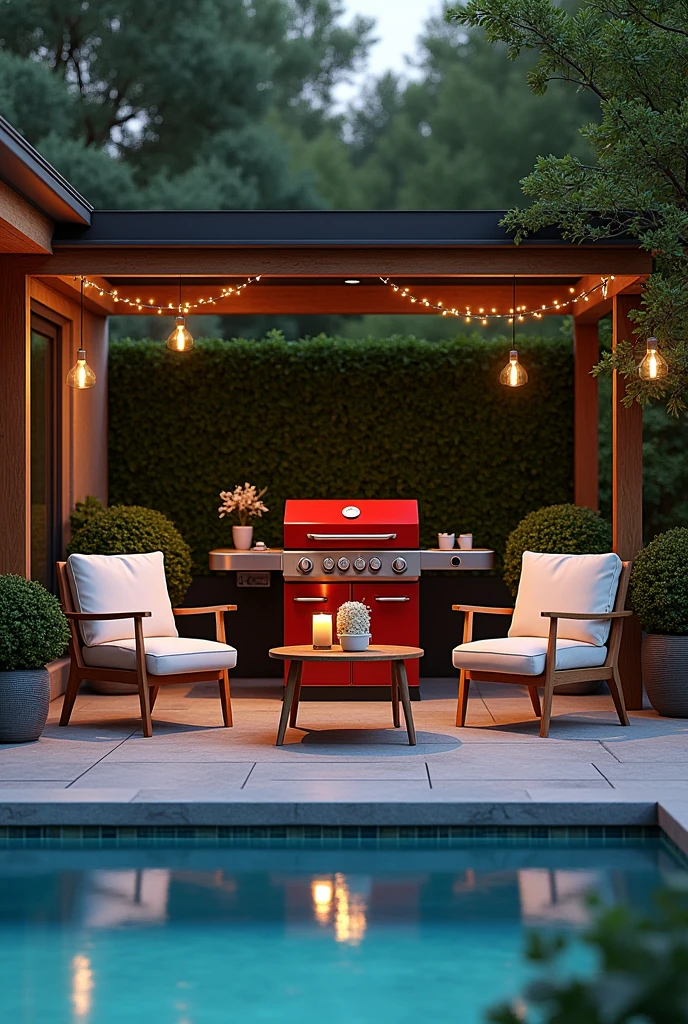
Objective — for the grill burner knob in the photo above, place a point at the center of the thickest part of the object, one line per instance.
(359, 564)
(375, 564)
(399, 564)
(343, 564)
(304, 565)
(328, 564)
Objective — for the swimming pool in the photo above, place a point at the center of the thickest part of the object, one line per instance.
(340, 926)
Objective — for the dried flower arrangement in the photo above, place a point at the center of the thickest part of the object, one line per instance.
(243, 502)
(353, 619)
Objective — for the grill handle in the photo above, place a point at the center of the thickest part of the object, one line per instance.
(389, 600)
(309, 600)
(351, 536)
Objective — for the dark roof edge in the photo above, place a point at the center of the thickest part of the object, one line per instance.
(24, 169)
(207, 228)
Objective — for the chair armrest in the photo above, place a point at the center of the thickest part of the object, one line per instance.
(105, 616)
(482, 609)
(204, 609)
(594, 616)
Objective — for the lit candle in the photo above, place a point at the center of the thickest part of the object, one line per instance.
(322, 632)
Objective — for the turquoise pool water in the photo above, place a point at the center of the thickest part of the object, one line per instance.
(309, 930)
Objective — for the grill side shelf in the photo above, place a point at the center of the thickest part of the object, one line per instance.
(456, 560)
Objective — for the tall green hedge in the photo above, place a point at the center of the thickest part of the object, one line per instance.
(341, 418)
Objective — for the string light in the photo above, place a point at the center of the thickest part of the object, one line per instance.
(653, 365)
(81, 376)
(513, 375)
(185, 307)
(180, 339)
(520, 312)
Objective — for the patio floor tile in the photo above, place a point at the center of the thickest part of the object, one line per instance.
(165, 775)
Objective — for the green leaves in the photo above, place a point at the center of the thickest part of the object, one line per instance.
(33, 629)
(333, 417)
(659, 584)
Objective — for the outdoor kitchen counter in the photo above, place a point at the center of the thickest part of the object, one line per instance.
(270, 559)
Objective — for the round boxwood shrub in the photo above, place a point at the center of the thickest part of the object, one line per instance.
(132, 530)
(556, 529)
(33, 630)
(659, 584)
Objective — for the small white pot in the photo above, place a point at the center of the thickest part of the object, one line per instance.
(242, 537)
(445, 541)
(354, 641)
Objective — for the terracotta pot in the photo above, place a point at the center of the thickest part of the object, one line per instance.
(242, 537)
(24, 703)
(665, 673)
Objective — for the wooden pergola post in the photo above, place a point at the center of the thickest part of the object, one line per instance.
(627, 496)
(585, 415)
(15, 491)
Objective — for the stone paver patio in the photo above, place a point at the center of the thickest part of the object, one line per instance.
(346, 764)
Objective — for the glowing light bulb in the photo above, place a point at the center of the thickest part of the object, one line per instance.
(81, 376)
(180, 340)
(653, 365)
(513, 375)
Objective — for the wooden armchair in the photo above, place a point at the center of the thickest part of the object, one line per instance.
(546, 660)
(135, 656)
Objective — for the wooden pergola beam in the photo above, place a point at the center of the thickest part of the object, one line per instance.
(599, 305)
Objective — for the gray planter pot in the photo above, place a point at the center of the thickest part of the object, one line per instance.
(665, 674)
(24, 703)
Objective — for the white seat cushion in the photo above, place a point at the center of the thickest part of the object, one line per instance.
(525, 655)
(121, 583)
(165, 655)
(566, 583)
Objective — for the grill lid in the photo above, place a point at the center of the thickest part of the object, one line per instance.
(368, 523)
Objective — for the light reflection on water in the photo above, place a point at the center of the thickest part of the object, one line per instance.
(97, 936)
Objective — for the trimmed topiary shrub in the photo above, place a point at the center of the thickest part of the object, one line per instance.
(556, 529)
(659, 584)
(33, 629)
(132, 530)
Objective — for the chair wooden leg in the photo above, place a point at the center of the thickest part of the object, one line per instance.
(295, 703)
(462, 704)
(616, 691)
(153, 696)
(395, 695)
(547, 708)
(226, 699)
(535, 700)
(142, 679)
(293, 680)
(72, 690)
(406, 702)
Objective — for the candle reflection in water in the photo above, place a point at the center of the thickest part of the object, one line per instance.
(337, 904)
(82, 986)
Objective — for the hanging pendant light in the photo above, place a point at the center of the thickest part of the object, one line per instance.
(81, 376)
(513, 375)
(653, 365)
(180, 340)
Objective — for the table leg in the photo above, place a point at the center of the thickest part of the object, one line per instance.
(295, 702)
(406, 702)
(395, 695)
(293, 682)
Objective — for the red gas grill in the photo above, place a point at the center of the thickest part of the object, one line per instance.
(337, 551)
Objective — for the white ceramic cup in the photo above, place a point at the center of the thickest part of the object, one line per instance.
(465, 541)
(445, 541)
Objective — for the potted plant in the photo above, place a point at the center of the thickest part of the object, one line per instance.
(353, 626)
(33, 631)
(659, 597)
(557, 529)
(244, 503)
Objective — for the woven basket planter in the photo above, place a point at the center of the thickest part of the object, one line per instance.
(665, 674)
(24, 703)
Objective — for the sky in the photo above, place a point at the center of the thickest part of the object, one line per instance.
(398, 23)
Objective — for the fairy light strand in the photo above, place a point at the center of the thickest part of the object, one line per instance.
(180, 308)
(518, 313)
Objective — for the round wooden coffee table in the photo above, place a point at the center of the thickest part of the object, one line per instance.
(396, 656)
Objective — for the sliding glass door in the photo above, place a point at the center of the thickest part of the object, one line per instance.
(46, 525)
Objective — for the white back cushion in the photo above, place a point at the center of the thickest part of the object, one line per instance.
(121, 583)
(566, 583)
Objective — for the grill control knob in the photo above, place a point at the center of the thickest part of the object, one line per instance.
(375, 564)
(328, 564)
(304, 565)
(359, 564)
(343, 564)
(399, 564)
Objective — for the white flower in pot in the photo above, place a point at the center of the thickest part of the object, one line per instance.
(353, 626)
(244, 503)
